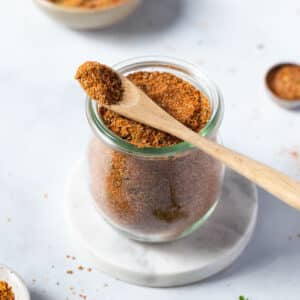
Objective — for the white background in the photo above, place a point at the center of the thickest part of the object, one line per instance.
(43, 131)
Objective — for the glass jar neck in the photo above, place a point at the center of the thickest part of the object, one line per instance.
(184, 70)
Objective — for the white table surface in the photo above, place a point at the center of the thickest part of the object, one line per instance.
(43, 131)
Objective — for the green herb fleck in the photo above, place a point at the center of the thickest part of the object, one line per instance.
(243, 298)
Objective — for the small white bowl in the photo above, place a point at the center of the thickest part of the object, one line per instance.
(288, 104)
(78, 18)
(19, 288)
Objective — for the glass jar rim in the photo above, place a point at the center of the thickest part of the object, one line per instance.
(178, 67)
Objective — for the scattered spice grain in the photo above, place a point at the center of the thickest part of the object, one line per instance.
(70, 272)
(87, 4)
(284, 81)
(100, 82)
(6, 292)
(80, 268)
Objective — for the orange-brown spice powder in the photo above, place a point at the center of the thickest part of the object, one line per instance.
(87, 4)
(285, 82)
(6, 292)
(176, 96)
(100, 82)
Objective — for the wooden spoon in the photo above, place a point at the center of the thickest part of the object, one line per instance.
(136, 105)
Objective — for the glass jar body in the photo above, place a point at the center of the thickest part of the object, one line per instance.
(153, 200)
(155, 194)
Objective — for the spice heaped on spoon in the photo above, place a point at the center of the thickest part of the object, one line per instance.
(100, 82)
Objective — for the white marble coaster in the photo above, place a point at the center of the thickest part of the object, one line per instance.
(204, 253)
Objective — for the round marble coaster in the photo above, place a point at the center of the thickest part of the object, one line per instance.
(204, 253)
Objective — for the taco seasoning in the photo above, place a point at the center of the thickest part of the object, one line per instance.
(145, 182)
(284, 81)
(87, 4)
(100, 82)
(6, 292)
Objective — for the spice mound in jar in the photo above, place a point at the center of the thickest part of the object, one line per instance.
(6, 292)
(155, 196)
(87, 4)
(176, 96)
(284, 81)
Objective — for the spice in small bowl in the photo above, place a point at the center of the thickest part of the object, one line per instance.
(87, 14)
(6, 291)
(12, 286)
(283, 81)
(87, 4)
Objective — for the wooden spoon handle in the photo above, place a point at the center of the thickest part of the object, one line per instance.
(280, 185)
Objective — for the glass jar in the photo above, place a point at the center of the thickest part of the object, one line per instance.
(155, 194)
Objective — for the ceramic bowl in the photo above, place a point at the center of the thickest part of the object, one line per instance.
(288, 104)
(78, 18)
(19, 288)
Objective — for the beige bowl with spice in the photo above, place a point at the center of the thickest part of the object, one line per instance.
(82, 18)
(15, 282)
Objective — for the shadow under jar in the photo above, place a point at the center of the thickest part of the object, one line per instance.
(155, 194)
